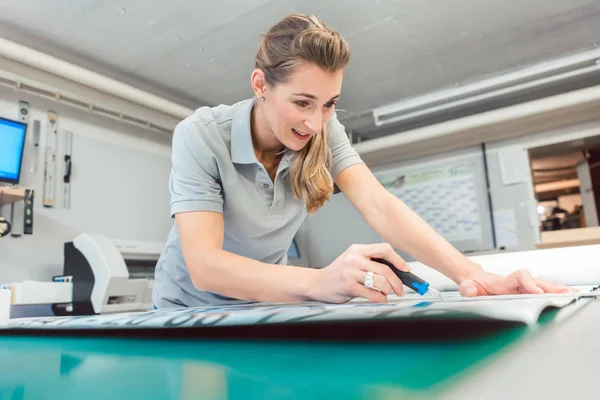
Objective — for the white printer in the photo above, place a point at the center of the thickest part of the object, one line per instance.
(110, 276)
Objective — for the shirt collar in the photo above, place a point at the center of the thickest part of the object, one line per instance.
(242, 148)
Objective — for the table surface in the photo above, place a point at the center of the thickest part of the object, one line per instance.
(555, 359)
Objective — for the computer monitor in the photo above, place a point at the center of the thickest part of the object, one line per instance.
(12, 145)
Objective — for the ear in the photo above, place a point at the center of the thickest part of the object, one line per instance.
(257, 79)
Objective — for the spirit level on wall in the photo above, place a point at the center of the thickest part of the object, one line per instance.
(50, 159)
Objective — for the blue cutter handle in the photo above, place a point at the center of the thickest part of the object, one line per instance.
(408, 278)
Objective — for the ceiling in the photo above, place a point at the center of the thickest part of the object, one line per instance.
(201, 52)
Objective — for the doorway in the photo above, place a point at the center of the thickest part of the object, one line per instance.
(566, 178)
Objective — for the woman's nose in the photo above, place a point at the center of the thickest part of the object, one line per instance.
(314, 124)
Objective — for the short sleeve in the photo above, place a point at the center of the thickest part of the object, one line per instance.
(343, 154)
(194, 183)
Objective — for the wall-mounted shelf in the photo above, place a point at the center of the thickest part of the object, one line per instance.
(9, 195)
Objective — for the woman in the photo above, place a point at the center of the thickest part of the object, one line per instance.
(245, 176)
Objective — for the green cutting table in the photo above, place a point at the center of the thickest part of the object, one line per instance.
(552, 359)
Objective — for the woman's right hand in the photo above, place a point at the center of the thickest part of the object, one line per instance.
(343, 279)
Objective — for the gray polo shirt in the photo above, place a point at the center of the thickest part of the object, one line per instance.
(215, 169)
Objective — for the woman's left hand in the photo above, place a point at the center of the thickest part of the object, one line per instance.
(483, 283)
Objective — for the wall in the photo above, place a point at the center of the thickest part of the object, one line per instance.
(119, 187)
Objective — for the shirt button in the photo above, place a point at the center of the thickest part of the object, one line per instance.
(266, 185)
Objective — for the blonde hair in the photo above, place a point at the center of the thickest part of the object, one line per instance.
(296, 39)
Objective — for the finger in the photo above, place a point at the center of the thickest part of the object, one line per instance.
(359, 290)
(385, 271)
(522, 290)
(469, 288)
(551, 287)
(379, 282)
(526, 281)
(385, 251)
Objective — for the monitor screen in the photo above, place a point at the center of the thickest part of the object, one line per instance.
(12, 143)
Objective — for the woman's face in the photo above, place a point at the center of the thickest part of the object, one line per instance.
(298, 108)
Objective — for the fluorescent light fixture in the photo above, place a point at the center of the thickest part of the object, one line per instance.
(546, 73)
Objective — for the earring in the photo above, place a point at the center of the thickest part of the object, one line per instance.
(262, 99)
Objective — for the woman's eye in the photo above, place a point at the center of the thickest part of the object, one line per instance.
(302, 103)
(330, 104)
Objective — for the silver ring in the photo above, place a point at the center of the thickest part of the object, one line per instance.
(369, 280)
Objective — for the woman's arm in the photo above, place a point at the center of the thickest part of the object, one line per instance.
(400, 226)
(216, 270)
(397, 224)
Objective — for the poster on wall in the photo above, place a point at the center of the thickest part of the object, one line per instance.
(445, 197)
